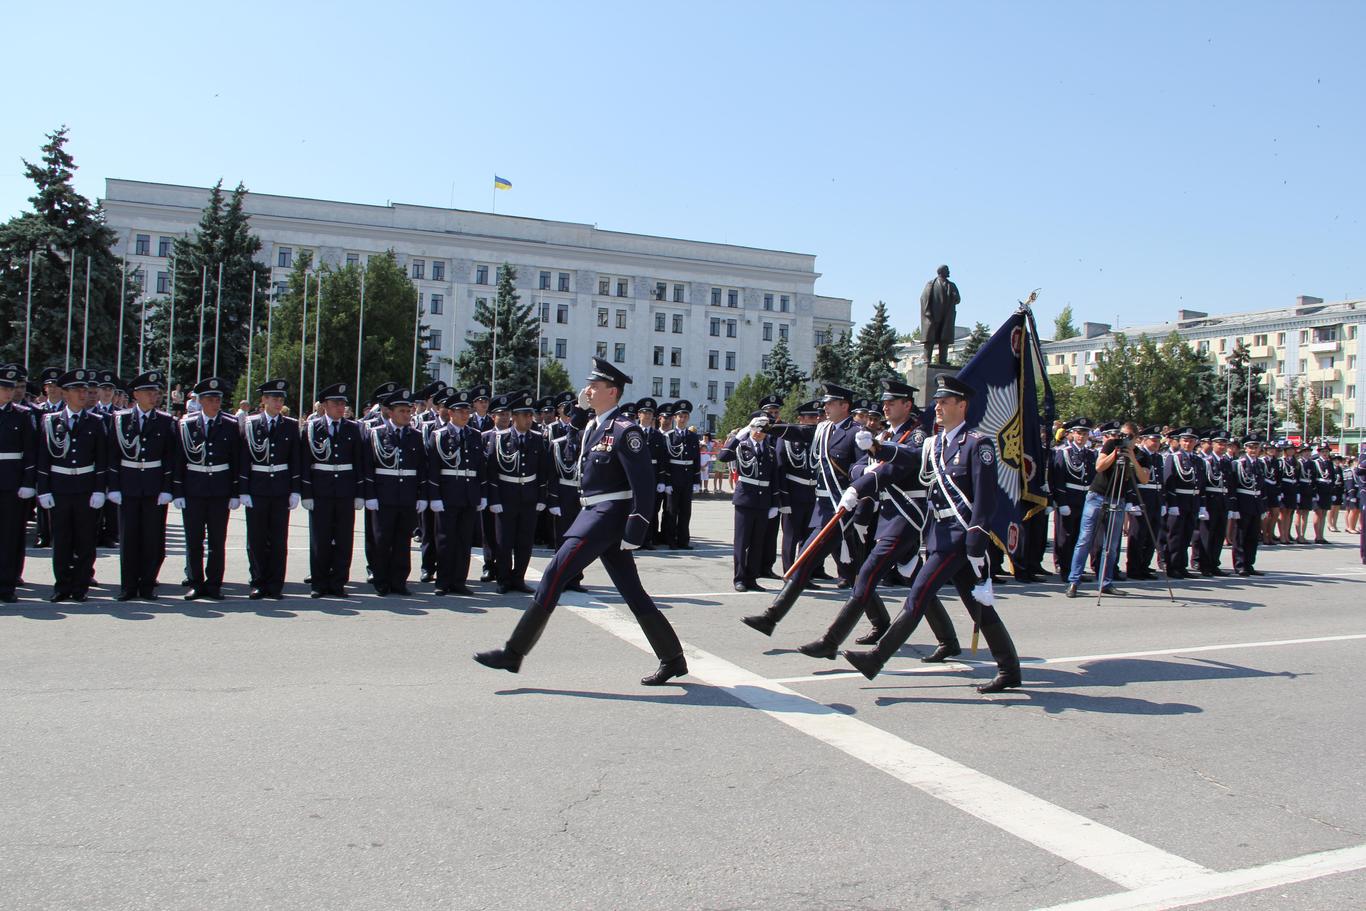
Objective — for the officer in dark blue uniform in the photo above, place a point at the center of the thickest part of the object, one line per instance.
(426, 417)
(772, 407)
(71, 466)
(1359, 476)
(499, 418)
(565, 404)
(52, 401)
(661, 524)
(755, 499)
(271, 486)
(797, 478)
(961, 478)
(397, 492)
(1070, 474)
(18, 477)
(684, 450)
(142, 457)
(106, 385)
(334, 464)
(1245, 506)
(1142, 524)
(564, 476)
(377, 416)
(832, 454)
(1213, 527)
(646, 411)
(480, 419)
(206, 486)
(617, 492)
(1183, 488)
(518, 478)
(456, 492)
(890, 477)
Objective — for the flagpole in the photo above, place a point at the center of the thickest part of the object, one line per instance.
(85, 327)
(217, 315)
(539, 331)
(203, 301)
(360, 339)
(493, 359)
(1270, 398)
(28, 313)
(270, 314)
(1247, 418)
(123, 294)
(142, 327)
(251, 326)
(70, 305)
(317, 334)
(170, 327)
(417, 325)
(303, 343)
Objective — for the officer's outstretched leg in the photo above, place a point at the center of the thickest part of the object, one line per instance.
(993, 630)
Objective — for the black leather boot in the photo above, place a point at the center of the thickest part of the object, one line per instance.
(870, 663)
(938, 620)
(519, 644)
(664, 641)
(877, 615)
(1003, 650)
(782, 603)
(827, 646)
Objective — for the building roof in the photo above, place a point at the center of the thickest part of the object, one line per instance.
(1199, 324)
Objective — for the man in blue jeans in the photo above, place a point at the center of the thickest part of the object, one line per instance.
(1105, 505)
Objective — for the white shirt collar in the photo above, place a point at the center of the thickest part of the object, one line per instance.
(602, 418)
(952, 432)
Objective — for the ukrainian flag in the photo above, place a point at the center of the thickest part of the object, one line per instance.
(500, 183)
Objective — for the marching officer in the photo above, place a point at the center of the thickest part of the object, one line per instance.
(270, 487)
(617, 493)
(962, 497)
(455, 478)
(797, 478)
(396, 493)
(1183, 487)
(1071, 472)
(684, 448)
(71, 466)
(18, 477)
(518, 476)
(1245, 498)
(142, 459)
(755, 497)
(206, 486)
(334, 463)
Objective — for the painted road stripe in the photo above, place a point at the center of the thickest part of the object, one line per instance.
(1077, 659)
(1206, 887)
(1119, 858)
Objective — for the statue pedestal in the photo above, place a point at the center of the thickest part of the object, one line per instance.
(923, 377)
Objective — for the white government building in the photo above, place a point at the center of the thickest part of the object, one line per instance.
(686, 319)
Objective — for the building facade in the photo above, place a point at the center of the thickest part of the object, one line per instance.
(686, 319)
(1312, 345)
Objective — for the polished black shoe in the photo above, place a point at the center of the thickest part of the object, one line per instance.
(866, 663)
(381, 589)
(193, 594)
(1000, 683)
(761, 622)
(576, 587)
(1072, 590)
(78, 597)
(428, 575)
(741, 587)
(668, 670)
(1255, 572)
(459, 590)
(339, 592)
(844, 583)
(402, 590)
(500, 659)
(818, 649)
(8, 597)
(317, 594)
(1118, 592)
(754, 587)
(213, 594)
(1214, 572)
(871, 637)
(523, 588)
(439, 591)
(56, 597)
(943, 653)
(148, 594)
(126, 595)
(770, 575)
(187, 582)
(42, 542)
(486, 575)
(502, 589)
(256, 594)
(1244, 573)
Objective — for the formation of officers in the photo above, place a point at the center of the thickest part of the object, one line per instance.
(454, 468)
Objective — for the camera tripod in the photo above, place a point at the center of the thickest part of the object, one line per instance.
(1121, 482)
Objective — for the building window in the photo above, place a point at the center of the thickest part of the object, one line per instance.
(675, 387)
(545, 346)
(164, 247)
(604, 287)
(661, 291)
(353, 259)
(730, 360)
(1351, 332)
(545, 281)
(563, 284)
(716, 297)
(822, 337)
(1259, 339)
(713, 359)
(281, 289)
(659, 322)
(711, 390)
(675, 357)
(562, 313)
(678, 324)
(732, 299)
(1351, 392)
(768, 332)
(659, 356)
(657, 386)
(434, 336)
(782, 331)
(619, 352)
(730, 390)
(764, 362)
(678, 294)
(621, 319)
(561, 345)
(602, 317)
(481, 275)
(437, 301)
(768, 301)
(163, 283)
(602, 350)
(1280, 338)
(142, 245)
(285, 258)
(716, 326)
(438, 270)
(419, 269)
(545, 311)
(621, 287)
(785, 304)
(730, 328)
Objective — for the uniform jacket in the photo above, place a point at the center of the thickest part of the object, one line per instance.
(1071, 472)
(616, 484)
(142, 462)
(517, 473)
(684, 452)
(335, 466)
(72, 457)
(961, 479)
(1183, 480)
(18, 447)
(207, 464)
(271, 459)
(397, 474)
(894, 482)
(756, 472)
(455, 467)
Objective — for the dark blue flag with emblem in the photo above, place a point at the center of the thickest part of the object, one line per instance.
(1005, 374)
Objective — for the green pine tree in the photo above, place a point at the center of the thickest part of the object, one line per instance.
(875, 352)
(981, 333)
(517, 331)
(743, 402)
(1063, 327)
(783, 374)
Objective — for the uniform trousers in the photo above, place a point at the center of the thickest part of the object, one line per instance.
(679, 516)
(1212, 533)
(796, 526)
(569, 511)
(1065, 531)
(74, 529)
(516, 536)
(1180, 528)
(268, 542)
(751, 524)
(393, 545)
(13, 520)
(205, 517)
(454, 538)
(426, 523)
(889, 551)
(142, 543)
(331, 531)
(1247, 534)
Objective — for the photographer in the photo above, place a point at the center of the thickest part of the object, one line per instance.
(1105, 503)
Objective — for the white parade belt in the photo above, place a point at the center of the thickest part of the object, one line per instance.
(1184, 491)
(1246, 492)
(796, 479)
(84, 469)
(1149, 486)
(514, 479)
(569, 482)
(945, 512)
(319, 466)
(1216, 490)
(682, 462)
(397, 472)
(605, 497)
(1071, 486)
(908, 494)
(459, 473)
(207, 469)
(10, 456)
(755, 481)
(269, 469)
(129, 463)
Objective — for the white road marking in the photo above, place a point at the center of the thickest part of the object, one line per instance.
(1206, 887)
(1079, 659)
(1109, 853)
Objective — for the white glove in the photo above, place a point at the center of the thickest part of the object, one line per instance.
(1064, 510)
(358, 503)
(1173, 510)
(773, 512)
(785, 509)
(97, 500)
(555, 510)
(583, 398)
(625, 546)
(372, 505)
(540, 507)
(45, 500)
(245, 500)
(294, 501)
(1134, 509)
(26, 493)
(1164, 511)
(659, 488)
(863, 440)
(1233, 515)
(982, 593)
(116, 497)
(235, 502)
(178, 502)
(421, 505)
(437, 505)
(979, 566)
(743, 433)
(849, 501)
(483, 504)
(307, 504)
(697, 488)
(1203, 515)
(669, 490)
(496, 508)
(163, 498)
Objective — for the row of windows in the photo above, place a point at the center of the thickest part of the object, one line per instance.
(142, 245)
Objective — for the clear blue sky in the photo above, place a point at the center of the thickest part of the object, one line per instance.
(1130, 159)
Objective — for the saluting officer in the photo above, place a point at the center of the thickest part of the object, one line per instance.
(684, 448)
(455, 478)
(270, 487)
(18, 477)
(206, 486)
(142, 459)
(72, 461)
(755, 498)
(518, 475)
(335, 462)
(961, 478)
(396, 493)
(617, 492)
